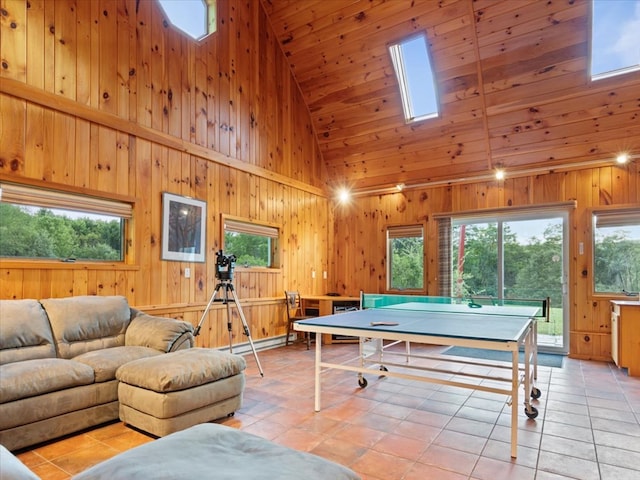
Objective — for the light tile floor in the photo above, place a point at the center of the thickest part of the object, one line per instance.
(588, 426)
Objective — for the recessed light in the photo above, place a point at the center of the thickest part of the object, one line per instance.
(622, 158)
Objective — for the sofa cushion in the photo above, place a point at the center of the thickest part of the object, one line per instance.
(25, 332)
(13, 469)
(105, 362)
(35, 377)
(85, 323)
(212, 451)
(156, 332)
(181, 370)
(48, 411)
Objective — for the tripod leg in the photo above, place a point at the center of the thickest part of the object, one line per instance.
(229, 327)
(246, 329)
(196, 332)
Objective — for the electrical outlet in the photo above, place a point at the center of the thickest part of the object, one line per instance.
(324, 274)
(187, 273)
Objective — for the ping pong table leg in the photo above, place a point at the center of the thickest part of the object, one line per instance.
(534, 341)
(515, 385)
(317, 370)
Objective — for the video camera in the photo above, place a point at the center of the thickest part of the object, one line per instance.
(224, 266)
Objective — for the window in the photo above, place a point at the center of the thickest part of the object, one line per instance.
(196, 18)
(405, 251)
(253, 244)
(47, 224)
(415, 78)
(616, 258)
(615, 36)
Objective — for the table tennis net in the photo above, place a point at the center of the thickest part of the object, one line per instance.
(472, 305)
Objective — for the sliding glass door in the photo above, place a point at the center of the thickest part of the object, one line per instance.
(516, 256)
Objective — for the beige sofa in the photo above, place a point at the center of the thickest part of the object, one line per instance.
(58, 362)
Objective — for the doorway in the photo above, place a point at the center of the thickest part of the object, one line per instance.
(516, 256)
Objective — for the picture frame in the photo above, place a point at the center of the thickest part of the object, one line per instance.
(183, 228)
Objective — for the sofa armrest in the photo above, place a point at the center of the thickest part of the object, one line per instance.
(160, 333)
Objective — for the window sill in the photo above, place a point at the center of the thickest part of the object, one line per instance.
(239, 269)
(614, 296)
(60, 265)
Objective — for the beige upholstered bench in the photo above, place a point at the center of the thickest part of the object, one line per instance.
(167, 393)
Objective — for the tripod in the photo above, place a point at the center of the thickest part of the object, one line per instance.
(227, 287)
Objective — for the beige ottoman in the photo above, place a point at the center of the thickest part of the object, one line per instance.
(171, 392)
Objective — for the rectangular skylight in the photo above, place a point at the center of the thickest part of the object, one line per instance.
(415, 78)
(196, 18)
(615, 38)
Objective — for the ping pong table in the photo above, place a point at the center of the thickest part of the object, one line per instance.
(507, 326)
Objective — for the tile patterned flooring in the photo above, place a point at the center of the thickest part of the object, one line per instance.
(588, 427)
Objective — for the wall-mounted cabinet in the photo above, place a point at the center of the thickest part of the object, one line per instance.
(625, 335)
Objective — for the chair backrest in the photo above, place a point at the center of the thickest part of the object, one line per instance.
(294, 303)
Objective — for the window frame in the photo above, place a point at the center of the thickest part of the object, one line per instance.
(54, 196)
(608, 73)
(409, 230)
(398, 62)
(210, 20)
(617, 212)
(256, 228)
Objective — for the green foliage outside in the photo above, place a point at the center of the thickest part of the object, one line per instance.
(250, 250)
(554, 326)
(532, 270)
(617, 261)
(28, 233)
(407, 265)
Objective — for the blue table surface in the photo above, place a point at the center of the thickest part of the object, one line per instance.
(451, 324)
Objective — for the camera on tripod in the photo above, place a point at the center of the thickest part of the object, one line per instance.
(225, 265)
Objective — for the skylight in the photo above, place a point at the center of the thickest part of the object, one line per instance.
(196, 18)
(615, 38)
(415, 77)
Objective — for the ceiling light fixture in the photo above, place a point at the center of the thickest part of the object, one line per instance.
(499, 174)
(400, 187)
(623, 158)
(344, 195)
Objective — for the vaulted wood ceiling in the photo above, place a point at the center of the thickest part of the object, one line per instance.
(512, 77)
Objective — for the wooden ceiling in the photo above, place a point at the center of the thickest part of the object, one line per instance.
(512, 77)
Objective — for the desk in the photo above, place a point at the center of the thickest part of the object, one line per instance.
(322, 305)
(326, 304)
(506, 328)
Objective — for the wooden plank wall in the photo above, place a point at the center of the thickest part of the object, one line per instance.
(103, 96)
(360, 226)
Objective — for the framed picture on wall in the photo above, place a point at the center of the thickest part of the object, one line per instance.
(183, 228)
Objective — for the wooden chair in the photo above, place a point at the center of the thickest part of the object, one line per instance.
(295, 313)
